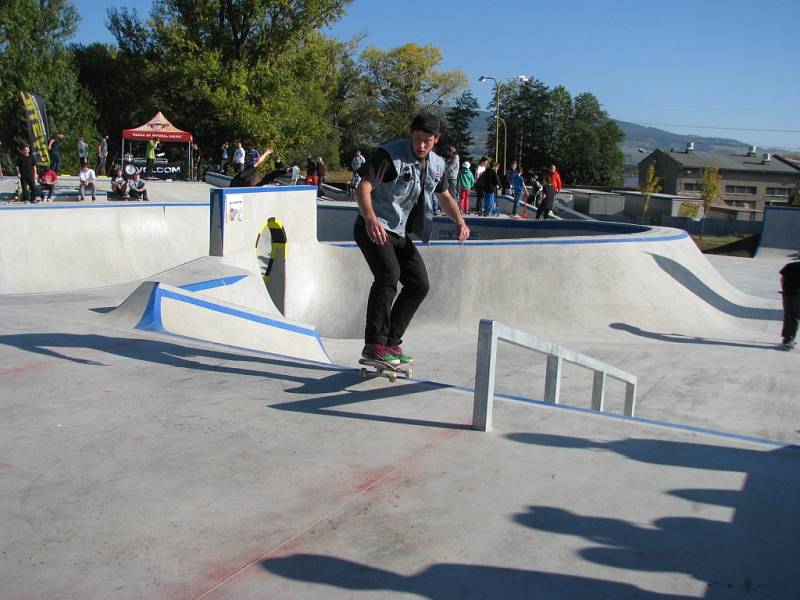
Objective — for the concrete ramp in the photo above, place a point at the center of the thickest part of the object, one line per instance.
(780, 233)
(56, 248)
(162, 308)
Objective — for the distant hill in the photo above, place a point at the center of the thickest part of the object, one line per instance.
(636, 137)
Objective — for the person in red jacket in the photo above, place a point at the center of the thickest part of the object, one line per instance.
(555, 179)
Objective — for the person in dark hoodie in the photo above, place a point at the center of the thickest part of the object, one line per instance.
(249, 177)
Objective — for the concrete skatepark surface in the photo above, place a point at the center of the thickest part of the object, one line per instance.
(141, 464)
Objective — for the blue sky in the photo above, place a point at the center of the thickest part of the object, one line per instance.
(710, 67)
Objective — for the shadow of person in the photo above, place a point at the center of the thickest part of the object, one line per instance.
(679, 338)
(695, 285)
(332, 389)
(751, 553)
(447, 581)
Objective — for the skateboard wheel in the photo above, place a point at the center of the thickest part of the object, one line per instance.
(408, 373)
(392, 377)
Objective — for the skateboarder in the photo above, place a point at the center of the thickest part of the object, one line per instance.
(395, 199)
(790, 287)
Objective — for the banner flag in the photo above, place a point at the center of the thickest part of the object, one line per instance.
(36, 117)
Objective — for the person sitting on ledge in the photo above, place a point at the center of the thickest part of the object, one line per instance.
(47, 181)
(137, 188)
(119, 186)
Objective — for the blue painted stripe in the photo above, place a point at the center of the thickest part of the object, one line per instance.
(267, 188)
(543, 242)
(212, 283)
(151, 317)
(83, 206)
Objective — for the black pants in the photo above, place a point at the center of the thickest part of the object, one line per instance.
(480, 195)
(395, 261)
(791, 316)
(27, 189)
(544, 209)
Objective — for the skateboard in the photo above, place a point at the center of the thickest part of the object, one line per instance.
(383, 369)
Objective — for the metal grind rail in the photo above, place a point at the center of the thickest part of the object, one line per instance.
(490, 332)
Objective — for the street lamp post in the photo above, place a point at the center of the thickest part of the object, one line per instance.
(505, 142)
(497, 118)
(496, 114)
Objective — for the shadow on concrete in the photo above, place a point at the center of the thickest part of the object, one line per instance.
(692, 283)
(679, 338)
(751, 551)
(448, 581)
(56, 345)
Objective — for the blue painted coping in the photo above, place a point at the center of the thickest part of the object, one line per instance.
(90, 206)
(152, 320)
(212, 283)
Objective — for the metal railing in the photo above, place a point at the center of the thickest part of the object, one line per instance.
(489, 332)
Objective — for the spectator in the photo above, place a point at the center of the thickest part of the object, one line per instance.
(83, 152)
(518, 187)
(26, 171)
(151, 157)
(480, 192)
(322, 171)
(137, 188)
(223, 158)
(466, 180)
(102, 155)
(48, 183)
(311, 171)
(196, 158)
(252, 156)
(536, 190)
(119, 185)
(508, 184)
(357, 162)
(452, 167)
(238, 158)
(54, 148)
(88, 182)
(491, 183)
(555, 179)
(295, 174)
(548, 195)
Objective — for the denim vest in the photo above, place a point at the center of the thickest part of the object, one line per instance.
(394, 200)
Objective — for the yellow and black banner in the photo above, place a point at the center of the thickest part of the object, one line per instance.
(36, 117)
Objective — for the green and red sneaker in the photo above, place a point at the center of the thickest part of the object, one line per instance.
(397, 351)
(379, 352)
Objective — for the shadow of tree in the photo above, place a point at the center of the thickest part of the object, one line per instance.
(446, 581)
(753, 554)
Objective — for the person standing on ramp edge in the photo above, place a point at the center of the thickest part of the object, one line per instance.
(395, 199)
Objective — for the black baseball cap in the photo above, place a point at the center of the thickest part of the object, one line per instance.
(427, 122)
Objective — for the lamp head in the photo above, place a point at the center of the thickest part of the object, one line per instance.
(482, 78)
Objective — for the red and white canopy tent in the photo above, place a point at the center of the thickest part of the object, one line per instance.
(158, 127)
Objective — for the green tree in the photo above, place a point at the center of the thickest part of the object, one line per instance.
(34, 58)
(709, 189)
(405, 80)
(651, 185)
(236, 70)
(456, 129)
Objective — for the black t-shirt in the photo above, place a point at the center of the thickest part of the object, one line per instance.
(791, 278)
(380, 169)
(25, 165)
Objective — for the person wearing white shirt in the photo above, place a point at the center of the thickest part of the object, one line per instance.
(88, 179)
(238, 158)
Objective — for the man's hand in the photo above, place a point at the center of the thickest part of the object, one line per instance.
(375, 231)
(463, 231)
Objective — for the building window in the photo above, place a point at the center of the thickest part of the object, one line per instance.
(776, 191)
(692, 187)
(740, 189)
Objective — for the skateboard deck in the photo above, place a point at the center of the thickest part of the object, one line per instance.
(383, 369)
